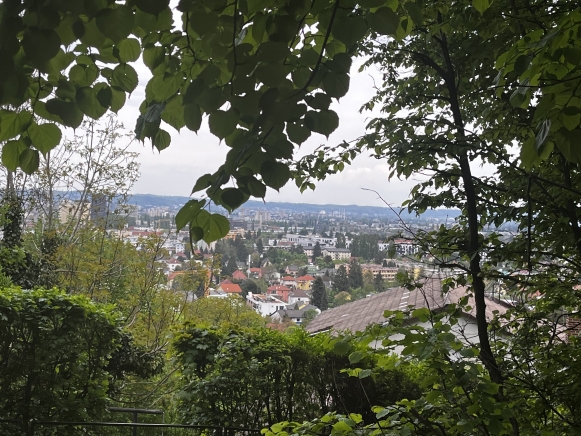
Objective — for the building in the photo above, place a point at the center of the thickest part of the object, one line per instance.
(239, 275)
(295, 312)
(229, 288)
(358, 315)
(337, 253)
(298, 296)
(280, 291)
(74, 209)
(305, 282)
(265, 305)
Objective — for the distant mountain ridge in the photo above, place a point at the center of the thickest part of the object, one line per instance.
(171, 201)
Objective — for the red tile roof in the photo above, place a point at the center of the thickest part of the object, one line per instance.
(239, 275)
(305, 278)
(231, 288)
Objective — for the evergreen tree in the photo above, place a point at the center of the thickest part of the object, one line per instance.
(259, 245)
(317, 251)
(378, 283)
(355, 275)
(341, 281)
(319, 294)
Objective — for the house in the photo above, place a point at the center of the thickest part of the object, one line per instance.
(255, 273)
(217, 293)
(229, 288)
(298, 296)
(337, 253)
(239, 275)
(294, 312)
(304, 282)
(265, 305)
(288, 281)
(292, 270)
(280, 291)
(172, 264)
(358, 315)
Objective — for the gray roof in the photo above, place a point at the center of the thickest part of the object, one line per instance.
(299, 293)
(294, 313)
(356, 316)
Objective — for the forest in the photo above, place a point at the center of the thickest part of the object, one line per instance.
(464, 84)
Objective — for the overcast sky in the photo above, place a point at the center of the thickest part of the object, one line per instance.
(175, 170)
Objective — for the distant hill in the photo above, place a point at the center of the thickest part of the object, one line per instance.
(150, 200)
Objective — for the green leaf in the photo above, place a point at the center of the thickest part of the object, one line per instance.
(44, 137)
(162, 87)
(13, 123)
(223, 123)
(323, 122)
(161, 140)
(68, 112)
(383, 21)
(116, 23)
(481, 5)
(153, 7)
(350, 30)
(188, 212)
(11, 152)
(40, 45)
(274, 174)
(341, 348)
(342, 427)
(215, 226)
(297, 133)
(272, 74)
(356, 357)
(84, 75)
(117, 99)
(319, 101)
(29, 160)
(153, 56)
(129, 50)
(232, 198)
(364, 373)
(203, 182)
(88, 103)
(124, 77)
(336, 85)
(192, 116)
(173, 114)
(415, 12)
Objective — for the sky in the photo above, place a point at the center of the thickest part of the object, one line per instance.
(175, 170)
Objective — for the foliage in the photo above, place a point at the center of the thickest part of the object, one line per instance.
(56, 351)
(256, 378)
(355, 275)
(365, 246)
(341, 280)
(319, 294)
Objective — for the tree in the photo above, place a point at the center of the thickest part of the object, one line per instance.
(378, 283)
(308, 316)
(317, 251)
(259, 246)
(355, 275)
(341, 280)
(319, 294)
(55, 352)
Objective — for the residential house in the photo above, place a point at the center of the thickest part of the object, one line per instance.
(305, 282)
(289, 281)
(255, 273)
(172, 264)
(295, 312)
(280, 291)
(265, 305)
(298, 296)
(292, 270)
(239, 275)
(229, 288)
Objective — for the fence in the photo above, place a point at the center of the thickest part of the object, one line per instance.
(53, 428)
